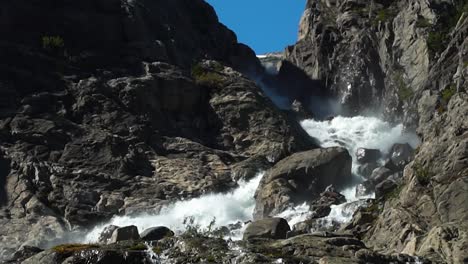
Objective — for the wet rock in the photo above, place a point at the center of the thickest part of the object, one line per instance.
(300, 178)
(274, 228)
(401, 154)
(300, 112)
(321, 207)
(124, 233)
(156, 233)
(364, 155)
(249, 168)
(24, 253)
(384, 188)
(106, 234)
(366, 169)
(378, 175)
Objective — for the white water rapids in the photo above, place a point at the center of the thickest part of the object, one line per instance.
(238, 205)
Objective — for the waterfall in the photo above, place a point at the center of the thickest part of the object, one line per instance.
(351, 133)
(238, 205)
(225, 208)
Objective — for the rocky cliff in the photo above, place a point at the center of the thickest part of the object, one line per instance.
(118, 107)
(409, 61)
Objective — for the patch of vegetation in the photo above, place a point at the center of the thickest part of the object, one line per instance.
(139, 246)
(436, 41)
(423, 22)
(423, 174)
(440, 35)
(53, 43)
(395, 193)
(384, 15)
(448, 92)
(157, 250)
(404, 92)
(465, 64)
(72, 248)
(208, 77)
(192, 229)
(446, 95)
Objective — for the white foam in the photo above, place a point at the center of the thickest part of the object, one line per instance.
(358, 132)
(351, 133)
(228, 208)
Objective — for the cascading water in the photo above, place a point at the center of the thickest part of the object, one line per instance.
(351, 133)
(226, 209)
(237, 206)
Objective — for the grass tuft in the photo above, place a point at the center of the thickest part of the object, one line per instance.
(72, 248)
(423, 174)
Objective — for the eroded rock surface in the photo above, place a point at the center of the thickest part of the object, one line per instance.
(121, 108)
(301, 178)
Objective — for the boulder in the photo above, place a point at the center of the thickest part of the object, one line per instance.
(156, 233)
(106, 234)
(378, 175)
(401, 154)
(364, 155)
(366, 169)
(322, 206)
(301, 178)
(274, 228)
(384, 188)
(124, 233)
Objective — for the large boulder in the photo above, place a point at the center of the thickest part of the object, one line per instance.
(156, 233)
(364, 155)
(401, 154)
(300, 178)
(106, 234)
(274, 228)
(125, 233)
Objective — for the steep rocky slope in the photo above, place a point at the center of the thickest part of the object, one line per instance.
(119, 107)
(107, 107)
(409, 60)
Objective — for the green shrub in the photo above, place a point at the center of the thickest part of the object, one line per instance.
(384, 15)
(423, 174)
(446, 95)
(436, 41)
(404, 92)
(448, 92)
(208, 77)
(53, 43)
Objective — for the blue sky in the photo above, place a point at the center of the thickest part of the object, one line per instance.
(264, 25)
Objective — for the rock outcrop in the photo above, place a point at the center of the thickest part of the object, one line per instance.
(120, 108)
(301, 178)
(274, 228)
(407, 59)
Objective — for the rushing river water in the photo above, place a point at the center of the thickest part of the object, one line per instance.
(238, 205)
